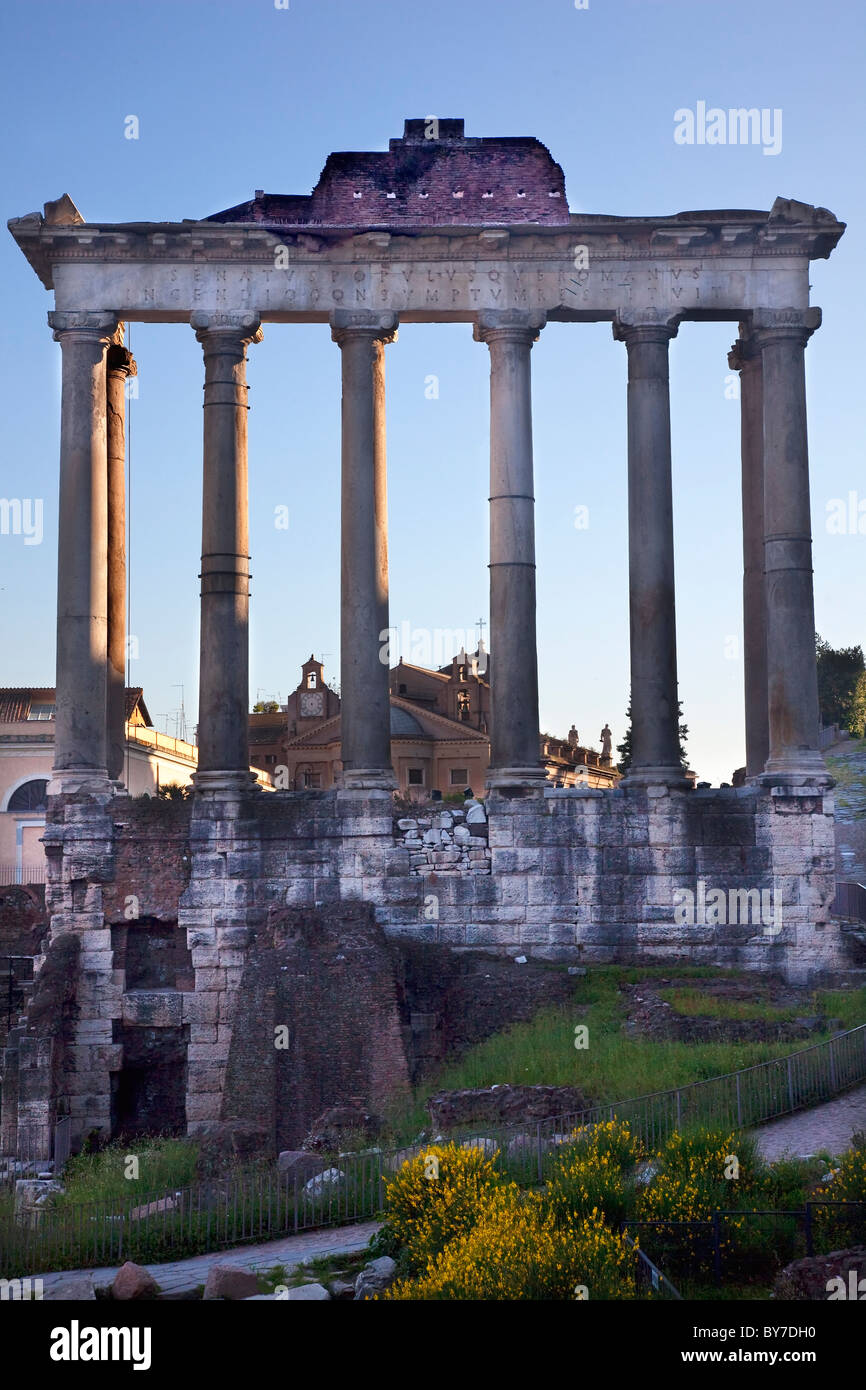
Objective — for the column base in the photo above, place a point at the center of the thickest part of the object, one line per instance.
(217, 784)
(533, 778)
(800, 769)
(367, 779)
(93, 781)
(669, 776)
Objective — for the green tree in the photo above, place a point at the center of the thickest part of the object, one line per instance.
(625, 751)
(265, 707)
(841, 686)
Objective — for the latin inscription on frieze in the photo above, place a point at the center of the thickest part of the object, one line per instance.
(313, 284)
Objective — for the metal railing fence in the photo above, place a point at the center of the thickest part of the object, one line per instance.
(649, 1279)
(742, 1246)
(261, 1203)
(11, 874)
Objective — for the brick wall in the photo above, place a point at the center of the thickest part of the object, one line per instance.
(450, 180)
(325, 976)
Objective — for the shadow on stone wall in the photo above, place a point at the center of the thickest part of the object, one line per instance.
(451, 1001)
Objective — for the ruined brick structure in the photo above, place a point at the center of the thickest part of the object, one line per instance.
(268, 891)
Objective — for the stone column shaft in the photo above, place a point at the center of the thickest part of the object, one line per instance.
(365, 707)
(792, 676)
(652, 609)
(745, 357)
(120, 365)
(80, 757)
(223, 722)
(514, 743)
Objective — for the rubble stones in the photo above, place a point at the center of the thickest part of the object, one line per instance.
(332, 1128)
(444, 844)
(32, 1196)
(223, 1142)
(230, 1281)
(811, 1278)
(375, 1277)
(317, 1186)
(162, 1204)
(133, 1281)
(504, 1105)
(307, 1293)
(292, 1162)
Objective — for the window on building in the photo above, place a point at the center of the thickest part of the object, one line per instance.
(459, 776)
(311, 680)
(463, 704)
(30, 796)
(416, 777)
(401, 690)
(313, 781)
(461, 673)
(270, 757)
(41, 712)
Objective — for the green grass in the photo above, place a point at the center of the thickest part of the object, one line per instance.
(616, 1065)
(163, 1165)
(848, 1005)
(693, 1003)
(273, 1278)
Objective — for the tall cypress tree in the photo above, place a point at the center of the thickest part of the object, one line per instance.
(625, 751)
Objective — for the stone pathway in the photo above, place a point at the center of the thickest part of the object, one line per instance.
(184, 1276)
(829, 1126)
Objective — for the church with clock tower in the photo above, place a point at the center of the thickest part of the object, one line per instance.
(440, 733)
(312, 701)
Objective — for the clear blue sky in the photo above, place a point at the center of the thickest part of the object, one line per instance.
(239, 95)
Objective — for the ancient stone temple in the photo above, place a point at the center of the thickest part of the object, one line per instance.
(443, 227)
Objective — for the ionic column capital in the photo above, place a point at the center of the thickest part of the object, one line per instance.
(508, 325)
(361, 323)
(215, 326)
(80, 325)
(645, 326)
(775, 325)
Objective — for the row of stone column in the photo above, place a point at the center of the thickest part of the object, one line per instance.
(781, 689)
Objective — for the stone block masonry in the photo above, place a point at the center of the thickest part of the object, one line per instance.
(271, 911)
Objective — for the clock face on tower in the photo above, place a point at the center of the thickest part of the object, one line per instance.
(312, 704)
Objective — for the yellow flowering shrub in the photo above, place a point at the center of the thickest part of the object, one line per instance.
(582, 1184)
(593, 1172)
(437, 1196)
(847, 1182)
(840, 1225)
(517, 1251)
(690, 1187)
(611, 1139)
(707, 1152)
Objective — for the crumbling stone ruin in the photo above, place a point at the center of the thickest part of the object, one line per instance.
(206, 927)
